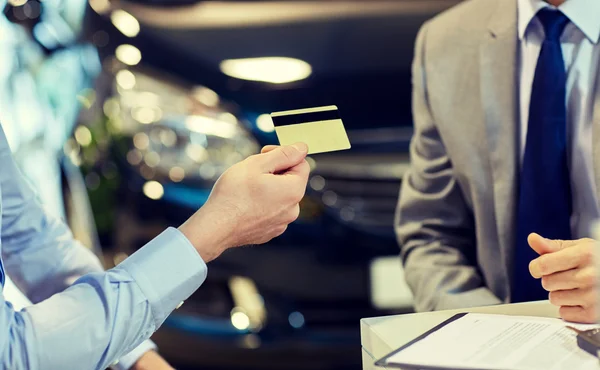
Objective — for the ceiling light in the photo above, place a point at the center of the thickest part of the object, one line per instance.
(125, 79)
(83, 135)
(207, 171)
(134, 157)
(276, 70)
(296, 320)
(240, 320)
(141, 141)
(111, 108)
(148, 173)
(206, 96)
(265, 123)
(317, 183)
(146, 115)
(152, 159)
(227, 117)
(128, 54)
(176, 174)
(125, 22)
(196, 152)
(211, 126)
(168, 138)
(153, 190)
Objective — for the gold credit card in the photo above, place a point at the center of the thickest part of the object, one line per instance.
(320, 128)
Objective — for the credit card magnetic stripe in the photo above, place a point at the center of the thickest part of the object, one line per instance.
(294, 119)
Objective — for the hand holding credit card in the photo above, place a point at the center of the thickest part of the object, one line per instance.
(320, 128)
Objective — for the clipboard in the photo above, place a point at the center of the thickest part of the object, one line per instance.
(384, 361)
(548, 332)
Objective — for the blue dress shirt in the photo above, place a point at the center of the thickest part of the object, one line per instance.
(19, 97)
(100, 317)
(580, 43)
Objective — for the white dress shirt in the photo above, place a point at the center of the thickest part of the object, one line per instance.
(581, 52)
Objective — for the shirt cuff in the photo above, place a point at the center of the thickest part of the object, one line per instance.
(168, 270)
(127, 361)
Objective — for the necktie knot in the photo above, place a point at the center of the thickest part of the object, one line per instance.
(554, 22)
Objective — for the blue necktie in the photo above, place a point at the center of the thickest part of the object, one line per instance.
(544, 203)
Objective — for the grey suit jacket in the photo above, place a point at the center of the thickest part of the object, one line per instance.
(456, 214)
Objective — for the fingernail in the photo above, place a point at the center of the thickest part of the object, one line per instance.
(301, 147)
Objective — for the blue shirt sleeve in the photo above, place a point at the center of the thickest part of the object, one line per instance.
(100, 317)
(103, 315)
(42, 264)
(38, 250)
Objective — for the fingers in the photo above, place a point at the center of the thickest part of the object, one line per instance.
(563, 260)
(290, 216)
(302, 169)
(569, 274)
(268, 148)
(564, 280)
(571, 279)
(578, 314)
(280, 230)
(294, 181)
(543, 246)
(293, 214)
(574, 297)
(282, 158)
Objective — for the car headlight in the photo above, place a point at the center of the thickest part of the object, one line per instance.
(176, 132)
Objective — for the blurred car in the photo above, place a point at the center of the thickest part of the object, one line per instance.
(185, 92)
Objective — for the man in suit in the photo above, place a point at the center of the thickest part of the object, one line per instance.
(505, 176)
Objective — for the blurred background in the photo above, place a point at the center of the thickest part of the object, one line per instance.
(124, 113)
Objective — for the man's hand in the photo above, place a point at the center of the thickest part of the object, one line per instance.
(568, 271)
(252, 203)
(151, 361)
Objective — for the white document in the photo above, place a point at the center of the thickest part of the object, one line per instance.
(499, 342)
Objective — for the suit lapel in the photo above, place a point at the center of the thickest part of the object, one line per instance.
(596, 135)
(499, 101)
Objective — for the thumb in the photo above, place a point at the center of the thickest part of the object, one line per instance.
(544, 246)
(284, 157)
(268, 148)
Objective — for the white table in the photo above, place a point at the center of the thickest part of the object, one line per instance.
(382, 335)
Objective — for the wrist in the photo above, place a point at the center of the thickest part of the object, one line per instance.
(208, 232)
